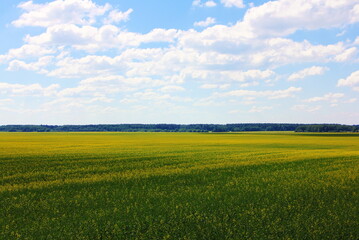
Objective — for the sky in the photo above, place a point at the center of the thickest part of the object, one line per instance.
(188, 61)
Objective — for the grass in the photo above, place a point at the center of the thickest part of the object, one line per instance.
(179, 186)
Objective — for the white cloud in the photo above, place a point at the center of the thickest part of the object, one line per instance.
(109, 85)
(205, 23)
(28, 90)
(96, 39)
(172, 88)
(77, 104)
(227, 76)
(256, 109)
(233, 3)
(351, 80)
(352, 100)
(116, 16)
(330, 97)
(210, 4)
(281, 51)
(220, 57)
(196, 2)
(66, 34)
(81, 12)
(284, 17)
(311, 71)
(249, 84)
(5, 101)
(354, 13)
(151, 95)
(199, 3)
(239, 44)
(69, 67)
(130, 63)
(29, 50)
(177, 63)
(348, 54)
(221, 45)
(214, 86)
(220, 38)
(276, 94)
(33, 66)
(24, 52)
(306, 108)
(342, 33)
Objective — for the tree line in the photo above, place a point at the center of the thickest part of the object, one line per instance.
(239, 127)
(327, 128)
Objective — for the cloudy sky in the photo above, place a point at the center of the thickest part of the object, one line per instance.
(188, 61)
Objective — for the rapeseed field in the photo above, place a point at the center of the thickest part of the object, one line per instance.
(257, 185)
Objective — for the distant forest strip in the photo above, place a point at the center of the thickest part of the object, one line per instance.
(240, 127)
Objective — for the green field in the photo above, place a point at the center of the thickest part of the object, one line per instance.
(179, 186)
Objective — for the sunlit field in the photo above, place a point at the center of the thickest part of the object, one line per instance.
(179, 186)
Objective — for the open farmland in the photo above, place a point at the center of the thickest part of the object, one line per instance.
(179, 186)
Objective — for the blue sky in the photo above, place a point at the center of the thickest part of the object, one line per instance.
(188, 61)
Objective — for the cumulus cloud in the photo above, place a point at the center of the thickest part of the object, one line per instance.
(215, 86)
(240, 44)
(284, 17)
(90, 38)
(281, 51)
(151, 95)
(330, 97)
(351, 100)
(275, 94)
(276, 19)
(81, 12)
(69, 67)
(78, 35)
(306, 108)
(233, 3)
(220, 38)
(311, 71)
(172, 88)
(28, 90)
(116, 16)
(33, 66)
(227, 76)
(351, 80)
(199, 3)
(205, 23)
(5, 101)
(28, 51)
(107, 85)
(348, 54)
(227, 44)
(78, 103)
(256, 109)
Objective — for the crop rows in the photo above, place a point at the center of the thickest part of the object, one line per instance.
(179, 186)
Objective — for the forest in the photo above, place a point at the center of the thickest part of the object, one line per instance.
(237, 127)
